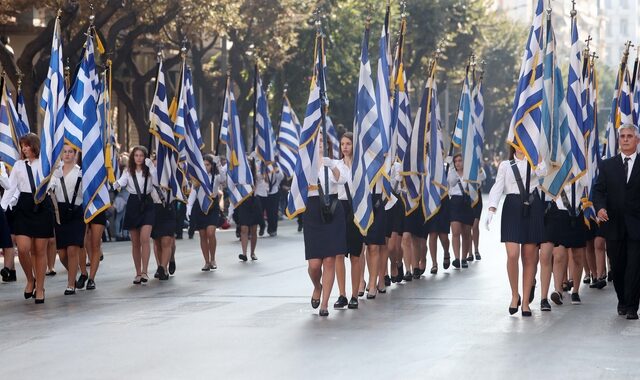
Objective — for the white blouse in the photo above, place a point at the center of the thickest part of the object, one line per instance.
(452, 179)
(19, 181)
(578, 199)
(506, 181)
(342, 192)
(334, 184)
(126, 181)
(4, 178)
(70, 180)
(219, 183)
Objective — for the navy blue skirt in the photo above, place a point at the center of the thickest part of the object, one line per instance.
(461, 210)
(249, 212)
(563, 230)
(165, 221)
(5, 231)
(395, 218)
(440, 222)
(322, 240)
(354, 237)
(477, 209)
(520, 228)
(414, 222)
(72, 229)
(376, 234)
(35, 221)
(200, 221)
(139, 212)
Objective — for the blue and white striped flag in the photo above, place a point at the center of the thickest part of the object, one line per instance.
(52, 104)
(288, 139)
(434, 187)
(265, 140)
(306, 170)
(166, 147)
(332, 136)
(577, 111)
(470, 140)
(196, 171)
(414, 162)
(621, 113)
(593, 143)
(239, 178)
(23, 127)
(525, 126)
(9, 147)
(95, 194)
(464, 112)
(366, 160)
(554, 145)
(403, 128)
(383, 137)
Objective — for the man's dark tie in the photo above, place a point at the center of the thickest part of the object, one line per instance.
(626, 169)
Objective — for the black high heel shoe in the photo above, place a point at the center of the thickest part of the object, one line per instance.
(31, 293)
(513, 310)
(41, 300)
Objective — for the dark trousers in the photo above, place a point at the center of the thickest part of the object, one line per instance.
(271, 206)
(625, 265)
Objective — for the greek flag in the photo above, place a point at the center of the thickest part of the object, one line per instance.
(434, 187)
(554, 146)
(52, 104)
(23, 126)
(195, 164)
(383, 102)
(76, 100)
(464, 112)
(332, 135)
(524, 129)
(166, 147)
(593, 144)
(620, 110)
(111, 144)
(577, 111)
(179, 122)
(265, 140)
(305, 175)
(470, 139)
(288, 139)
(366, 161)
(95, 195)
(403, 128)
(9, 147)
(239, 178)
(413, 163)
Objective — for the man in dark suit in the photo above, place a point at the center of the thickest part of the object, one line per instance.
(616, 197)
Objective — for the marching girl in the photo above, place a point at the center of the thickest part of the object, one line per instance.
(67, 185)
(522, 228)
(564, 230)
(139, 179)
(375, 241)
(206, 224)
(324, 236)
(8, 272)
(475, 229)
(353, 235)
(33, 224)
(395, 229)
(249, 218)
(92, 248)
(461, 213)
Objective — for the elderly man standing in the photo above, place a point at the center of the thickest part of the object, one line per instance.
(616, 197)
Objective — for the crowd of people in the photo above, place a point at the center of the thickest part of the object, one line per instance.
(550, 237)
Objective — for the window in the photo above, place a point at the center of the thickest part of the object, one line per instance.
(624, 27)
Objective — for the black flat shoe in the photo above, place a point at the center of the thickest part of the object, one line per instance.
(532, 293)
(434, 269)
(456, 263)
(91, 285)
(162, 275)
(157, 274)
(69, 291)
(172, 267)
(361, 293)
(51, 273)
(315, 302)
(632, 315)
(254, 257)
(526, 313)
(387, 280)
(478, 257)
(416, 273)
(242, 257)
(408, 277)
(32, 293)
(470, 257)
(447, 261)
(383, 291)
(81, 281)
(323, 313)
(371, 296)
(341, 303)
(353, 303)
(464, 264)
(39, 300)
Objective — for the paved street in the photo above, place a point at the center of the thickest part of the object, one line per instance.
(253, 321)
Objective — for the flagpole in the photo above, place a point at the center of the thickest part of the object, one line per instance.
(319, 59)
(224, 103)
